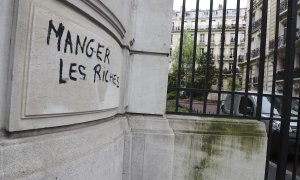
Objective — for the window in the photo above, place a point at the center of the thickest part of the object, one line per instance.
(203, 24)
(213, 24)
(171, 38)
(211, 51)
(242, 38)
(230, 66)
(233, 23)
(232, 37)
(170, 51)
(231, 52)
(201, 50)
(242, 51)
(202, 37)
(243, 23)
(193, 25)
(224, 38)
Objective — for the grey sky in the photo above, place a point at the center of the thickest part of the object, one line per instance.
(204, 4)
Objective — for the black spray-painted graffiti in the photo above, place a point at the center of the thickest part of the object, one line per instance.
(86, 47)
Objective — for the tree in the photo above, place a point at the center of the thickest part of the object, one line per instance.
(238, 85)
(187, 65)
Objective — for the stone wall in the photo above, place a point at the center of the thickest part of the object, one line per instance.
(218, 148)
(91, 151)
(82, 96)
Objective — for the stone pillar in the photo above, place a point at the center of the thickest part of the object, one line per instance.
(149, 61)
(6, 17)
(152, 138)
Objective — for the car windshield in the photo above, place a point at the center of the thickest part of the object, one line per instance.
(266, 107)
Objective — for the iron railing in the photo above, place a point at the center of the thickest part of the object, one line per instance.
(281, 40)
(255, 53)
(197, 87)
(284, 6)
(256, 25)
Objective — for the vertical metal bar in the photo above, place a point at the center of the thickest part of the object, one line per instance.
(248, 54)
(262, 58)
(296, 147)
(235, 54)
(194, 55)
(287, 88)
(220, 81)
(208, 56)
(180, 55)
(275, 57)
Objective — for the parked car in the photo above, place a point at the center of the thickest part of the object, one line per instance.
(239, 109)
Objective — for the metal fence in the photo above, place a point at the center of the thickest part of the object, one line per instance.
(272, 98)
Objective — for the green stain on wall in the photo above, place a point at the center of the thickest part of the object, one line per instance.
(247, 137)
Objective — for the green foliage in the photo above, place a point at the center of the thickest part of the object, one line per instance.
(238, 83)
(171, 107)
(187, 65)
(171, 95)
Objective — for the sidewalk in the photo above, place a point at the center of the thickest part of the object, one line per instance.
(272, 173)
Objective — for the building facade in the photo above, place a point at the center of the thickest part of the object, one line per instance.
(270, 46)
(281, 48)
(202, 36)
(255, 46)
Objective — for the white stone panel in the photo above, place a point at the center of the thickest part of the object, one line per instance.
(86, 92)
(63, 64)
(153, 26)
(148, 84)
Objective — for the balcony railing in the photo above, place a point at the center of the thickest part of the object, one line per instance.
(256, 25)
(226, 57)
(176, 28)
(203, 27)
(284, 6)
(282, 40)
(257, 2)
(280, 74)
(254, 53)
(230, 56)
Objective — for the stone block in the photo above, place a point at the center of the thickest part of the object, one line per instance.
(152, 148)
(93, 152)
(153, 26)
(218, 148)
(148, 84)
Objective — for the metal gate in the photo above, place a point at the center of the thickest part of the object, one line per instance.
(266, 79)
